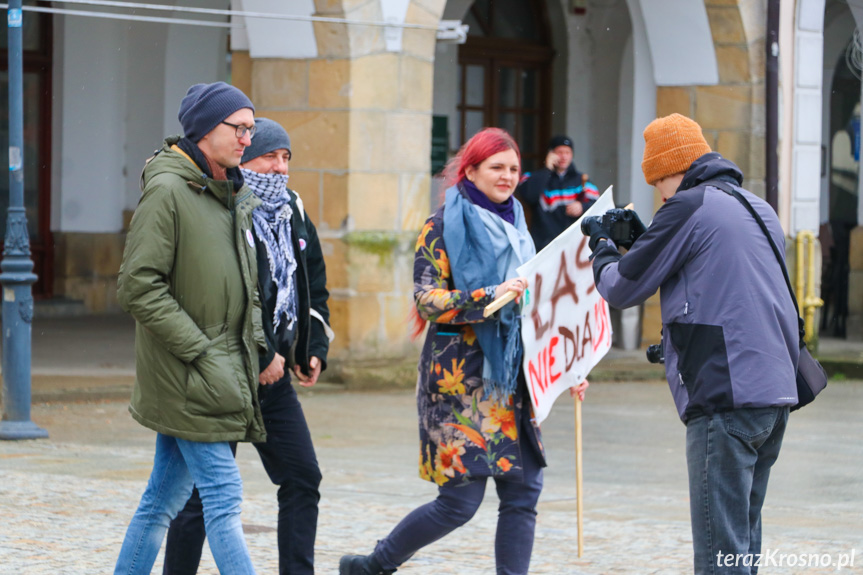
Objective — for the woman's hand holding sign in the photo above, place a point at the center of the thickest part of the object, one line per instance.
(517, 285)
(511, 289)
(579, 390)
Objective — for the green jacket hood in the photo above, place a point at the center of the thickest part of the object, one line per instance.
(172, 160)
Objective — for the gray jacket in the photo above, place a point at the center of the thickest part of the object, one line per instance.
(730, 330)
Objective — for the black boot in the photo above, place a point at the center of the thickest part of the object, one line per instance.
(361, 565)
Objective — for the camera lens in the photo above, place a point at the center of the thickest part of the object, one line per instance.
(655, 354)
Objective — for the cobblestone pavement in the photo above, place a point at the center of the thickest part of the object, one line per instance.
(65, 502)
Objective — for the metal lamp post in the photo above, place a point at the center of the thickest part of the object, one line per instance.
(16, 268)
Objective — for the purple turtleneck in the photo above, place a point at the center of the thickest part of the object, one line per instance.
(506, 210)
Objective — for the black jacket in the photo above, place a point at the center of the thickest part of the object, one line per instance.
(310, 332)
(547, 194)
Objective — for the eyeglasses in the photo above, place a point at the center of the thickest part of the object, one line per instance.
(241, 129)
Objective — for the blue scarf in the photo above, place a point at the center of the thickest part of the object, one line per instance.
(484, 250)
(272, 222)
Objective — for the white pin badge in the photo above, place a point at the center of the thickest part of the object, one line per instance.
(249, 238)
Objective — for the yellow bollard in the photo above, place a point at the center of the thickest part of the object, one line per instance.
(806, 281)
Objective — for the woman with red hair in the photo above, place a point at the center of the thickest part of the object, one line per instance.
(475, 415)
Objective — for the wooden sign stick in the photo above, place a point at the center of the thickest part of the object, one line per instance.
(578, 476)
(499, 303)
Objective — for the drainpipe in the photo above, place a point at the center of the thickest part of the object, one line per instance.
(771, 179)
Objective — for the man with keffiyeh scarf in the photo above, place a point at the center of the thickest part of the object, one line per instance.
(292, 286)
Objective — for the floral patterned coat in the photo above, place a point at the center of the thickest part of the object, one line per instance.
(463, 434)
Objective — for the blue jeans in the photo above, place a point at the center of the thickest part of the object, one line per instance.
(455, 506)
(729, 456)
(177, 465)
(289, 459)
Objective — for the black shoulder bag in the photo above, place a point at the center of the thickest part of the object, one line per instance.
(811, 377)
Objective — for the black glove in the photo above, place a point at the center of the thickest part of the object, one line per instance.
(593, 227)
(636, 228)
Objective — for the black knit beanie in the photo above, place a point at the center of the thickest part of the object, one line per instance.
(269, 136)
(559, 141)
(206, 105)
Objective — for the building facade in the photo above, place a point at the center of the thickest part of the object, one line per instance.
(374, 110)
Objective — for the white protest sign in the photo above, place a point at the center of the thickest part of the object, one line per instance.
(565, 328)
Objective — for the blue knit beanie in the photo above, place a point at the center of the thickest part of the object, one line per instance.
(269, 136)
(206, 105)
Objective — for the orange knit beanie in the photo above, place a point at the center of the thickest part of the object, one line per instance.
(671, 144)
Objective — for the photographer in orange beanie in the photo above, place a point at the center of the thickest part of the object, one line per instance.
(730, 332)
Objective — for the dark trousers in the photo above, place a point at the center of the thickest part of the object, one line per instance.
(289, 459)
(729, 456)
(456, 505)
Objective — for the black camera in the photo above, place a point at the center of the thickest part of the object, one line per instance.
(655, 353)
(622, 226)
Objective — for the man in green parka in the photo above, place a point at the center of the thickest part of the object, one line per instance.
(189, 278)
(292, 282)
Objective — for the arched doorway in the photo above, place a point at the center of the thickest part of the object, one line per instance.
(504, 75)
(840, 167)
(843, 171)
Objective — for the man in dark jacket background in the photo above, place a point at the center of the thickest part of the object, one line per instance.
(292, 286)
(556, 194)
(730, 332)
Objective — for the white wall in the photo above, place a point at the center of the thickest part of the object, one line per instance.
(597, 42)
(806, 125)
(637, 109)
(639, 81)
(145, 101)
(270, 38)
(579, 87)
(625, 127)
(92, 131)
(681, 43)
(118, 87)
(193, 55)
(57, 74)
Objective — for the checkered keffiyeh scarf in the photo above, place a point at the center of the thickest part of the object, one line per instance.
(272, 221)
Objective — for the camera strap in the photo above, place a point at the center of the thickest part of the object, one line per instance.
(728, 189)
